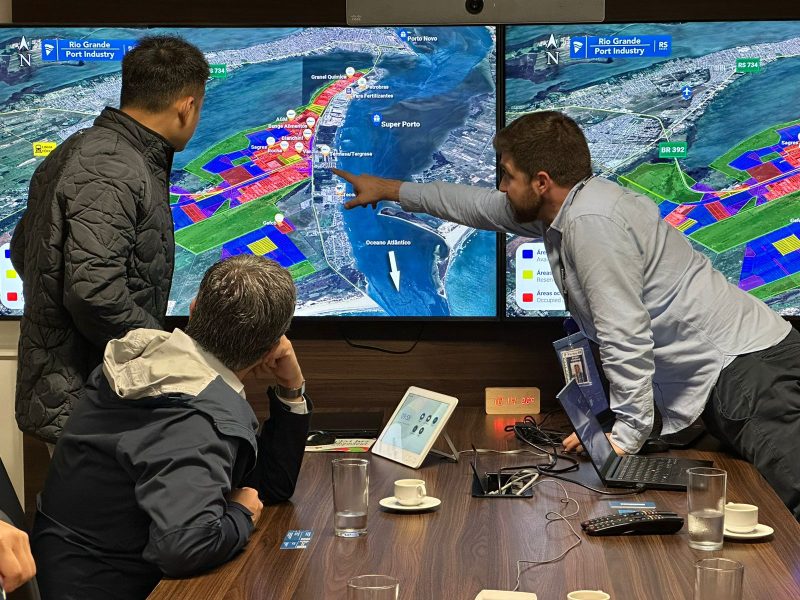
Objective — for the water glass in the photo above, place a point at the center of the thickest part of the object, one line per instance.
(373, 587)
(717, 579)
(350, 496)
(706, 500)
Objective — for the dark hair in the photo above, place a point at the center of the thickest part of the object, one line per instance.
(547, 141)
(159, 70)
(244, 305)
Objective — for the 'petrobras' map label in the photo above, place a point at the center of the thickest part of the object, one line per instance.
(620, 46)
(86, 50)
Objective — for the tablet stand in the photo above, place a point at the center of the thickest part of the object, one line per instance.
(453, 456)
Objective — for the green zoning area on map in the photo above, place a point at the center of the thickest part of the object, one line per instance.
(759, 212)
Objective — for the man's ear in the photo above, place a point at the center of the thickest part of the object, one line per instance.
(542, 182)
(185, 106)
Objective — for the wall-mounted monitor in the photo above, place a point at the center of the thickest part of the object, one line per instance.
(282, 107)
(701, 117)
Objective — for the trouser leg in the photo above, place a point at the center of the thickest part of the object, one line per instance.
(755, 408)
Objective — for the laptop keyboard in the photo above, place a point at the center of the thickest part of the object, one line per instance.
(644, 469)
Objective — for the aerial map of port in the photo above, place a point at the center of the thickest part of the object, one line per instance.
(283, 106)
(702, 118)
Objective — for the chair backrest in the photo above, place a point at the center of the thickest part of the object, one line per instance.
(9, 503)
(11, 511)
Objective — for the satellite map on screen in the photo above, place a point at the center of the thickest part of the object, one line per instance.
(701, 117)
(282, 107)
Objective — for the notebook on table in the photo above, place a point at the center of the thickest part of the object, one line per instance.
(657, 472)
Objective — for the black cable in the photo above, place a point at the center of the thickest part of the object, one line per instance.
(386, 350)
(640, 487)
(553, 454)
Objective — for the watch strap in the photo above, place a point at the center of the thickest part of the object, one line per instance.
(290, 393)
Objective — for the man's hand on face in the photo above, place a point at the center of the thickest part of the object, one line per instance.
(16, 560)
(248, 497)
(281, 363)
(369, 189)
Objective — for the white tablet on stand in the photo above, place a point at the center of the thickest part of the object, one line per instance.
(413, 428)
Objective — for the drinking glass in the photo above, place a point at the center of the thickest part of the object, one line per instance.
(373, 587)
(706, 500)
(718, 578)
(350, 496)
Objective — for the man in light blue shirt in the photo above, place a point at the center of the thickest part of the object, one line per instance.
(673, 332)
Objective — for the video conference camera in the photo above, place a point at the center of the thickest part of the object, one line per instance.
(473, 12)
(474, 7)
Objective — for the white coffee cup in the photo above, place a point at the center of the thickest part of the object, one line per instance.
(741, 518)
(410, 492)
(588, 595)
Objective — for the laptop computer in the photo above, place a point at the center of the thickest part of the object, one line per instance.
(664, 473)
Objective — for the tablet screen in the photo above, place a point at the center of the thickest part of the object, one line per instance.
(418, 419)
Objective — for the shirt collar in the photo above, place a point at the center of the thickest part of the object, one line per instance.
(561, 216)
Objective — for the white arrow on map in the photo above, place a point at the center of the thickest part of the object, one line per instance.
(393, 270)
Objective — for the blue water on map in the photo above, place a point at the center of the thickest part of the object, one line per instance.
(688, 40)
(57, 75)
(432, 85)
(745, 108)
(466, 285)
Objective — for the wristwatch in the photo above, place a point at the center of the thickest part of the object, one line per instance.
(290, 393)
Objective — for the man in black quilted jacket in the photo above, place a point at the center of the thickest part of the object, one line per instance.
(95, 247)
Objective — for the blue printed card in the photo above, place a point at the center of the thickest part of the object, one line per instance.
(297, 538)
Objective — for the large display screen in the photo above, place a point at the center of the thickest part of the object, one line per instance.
(703, 118)
(282, 107)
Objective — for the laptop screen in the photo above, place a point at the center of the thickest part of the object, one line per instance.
(587, 426)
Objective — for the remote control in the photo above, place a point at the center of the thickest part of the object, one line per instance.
(645, 522)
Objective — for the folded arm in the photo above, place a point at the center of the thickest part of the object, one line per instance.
(183, 476)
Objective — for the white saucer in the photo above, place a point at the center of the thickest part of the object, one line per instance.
(427, 504)
(760, 531)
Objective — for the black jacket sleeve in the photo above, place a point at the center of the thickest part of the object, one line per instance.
(183, 472)
(281, 445)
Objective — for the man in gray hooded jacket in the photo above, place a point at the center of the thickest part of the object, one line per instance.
(157, 469)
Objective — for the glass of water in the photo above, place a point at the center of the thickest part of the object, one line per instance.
(718, 578)
(373, 587)
(350, 496)
(706, 500)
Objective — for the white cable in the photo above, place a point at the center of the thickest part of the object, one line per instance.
(557, 516)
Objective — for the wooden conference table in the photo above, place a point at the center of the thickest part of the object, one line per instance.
(469, 544)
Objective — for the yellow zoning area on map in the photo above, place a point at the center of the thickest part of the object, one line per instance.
(787, 245)
(685, 225)
(262, 246)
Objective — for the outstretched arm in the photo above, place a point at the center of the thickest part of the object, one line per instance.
(478, 207)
